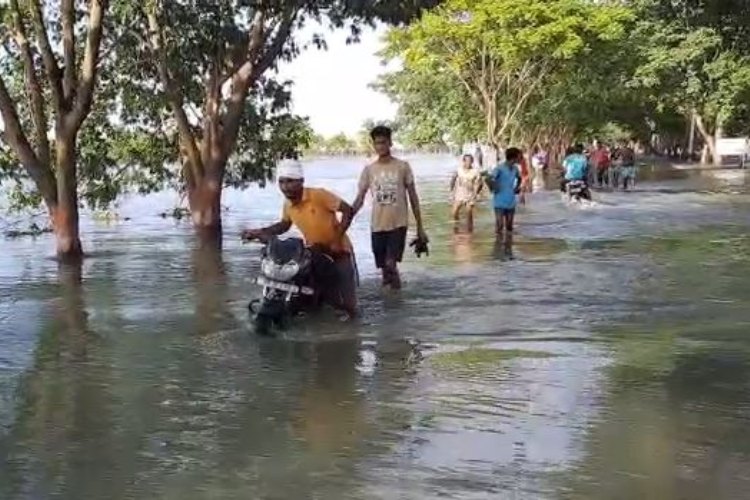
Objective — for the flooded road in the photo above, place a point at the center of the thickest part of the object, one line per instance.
(605, 354)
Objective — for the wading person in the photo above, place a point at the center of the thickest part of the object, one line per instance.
(465, 186)
(391, 183)
(314, 211)
(575, 166)
(525, 186)
(600, 162)
(505, 183)
(626, 170)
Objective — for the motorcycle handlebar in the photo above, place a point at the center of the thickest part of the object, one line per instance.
(260, 240)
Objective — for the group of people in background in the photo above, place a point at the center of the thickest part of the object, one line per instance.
(509, 179)
(612, 167)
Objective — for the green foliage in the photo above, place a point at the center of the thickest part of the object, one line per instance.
(500, 69)
(432, 110)
(198, 34)
(690, 68)
(129, 143)
(335, 145)
(266, 136)
(556, 70)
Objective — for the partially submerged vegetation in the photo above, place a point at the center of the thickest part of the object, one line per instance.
(479, 359)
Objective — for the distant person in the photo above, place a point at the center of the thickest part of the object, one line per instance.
(539, 160)
(525, 186)
(626, 174)
(505, 183)
(391, 183)
(465, 185)
(575, 166)
(600, 163)
(314, 211)
(478, 155)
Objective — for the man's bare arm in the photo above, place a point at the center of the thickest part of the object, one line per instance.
(280, 227)
(411, 189)
(356, 206)
(263, 233)
(347, 215)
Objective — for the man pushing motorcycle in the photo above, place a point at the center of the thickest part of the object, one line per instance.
(314, 211)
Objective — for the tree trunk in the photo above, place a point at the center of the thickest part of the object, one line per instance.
(709, 141)
(64, 213)
(691, 137)
(204, 199)
(715, 155)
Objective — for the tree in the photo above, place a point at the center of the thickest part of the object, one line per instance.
(215, 92)
(363, 141)
(47, 82)
(340, 144)
(431, 108)
(696, 60)
(482, 67)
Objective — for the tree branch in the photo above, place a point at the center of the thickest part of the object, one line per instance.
(34, 91)
(174, 96)
(254, 44)
(271, 54)
(14, 135)
(48, 57)
(90, 63)
(708, 137)
(255, 65)
(69, 48)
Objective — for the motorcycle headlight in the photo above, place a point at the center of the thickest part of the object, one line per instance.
(280, 272)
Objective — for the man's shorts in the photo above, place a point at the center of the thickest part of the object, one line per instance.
(627, 172)
(388, 246)
(505, 211)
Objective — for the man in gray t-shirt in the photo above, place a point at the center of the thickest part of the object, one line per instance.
(391, 183)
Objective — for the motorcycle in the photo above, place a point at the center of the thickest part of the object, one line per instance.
(578, 191)
(293, 280)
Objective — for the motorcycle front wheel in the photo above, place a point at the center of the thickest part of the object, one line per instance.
(263, 325)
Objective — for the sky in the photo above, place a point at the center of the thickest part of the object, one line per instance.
(331, 86)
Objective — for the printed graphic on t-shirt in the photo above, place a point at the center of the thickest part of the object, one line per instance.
(386, 188)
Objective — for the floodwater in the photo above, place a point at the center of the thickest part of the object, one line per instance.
(604, 355)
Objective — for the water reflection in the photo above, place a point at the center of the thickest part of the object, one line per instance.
(463, 247)
(673, 429)
(64, 415)
(503, 249)
(210, 282)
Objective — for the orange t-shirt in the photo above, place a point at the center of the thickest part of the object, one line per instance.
(315, 216)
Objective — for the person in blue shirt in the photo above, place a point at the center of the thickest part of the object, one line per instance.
(505, 182)
(576, 167)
